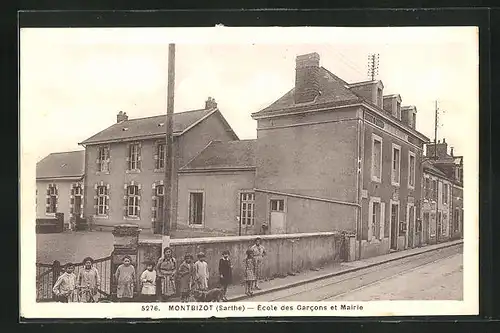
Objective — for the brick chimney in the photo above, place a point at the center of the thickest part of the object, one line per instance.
(306, 78)
(442, 149)
(210, 103)
(121, 116)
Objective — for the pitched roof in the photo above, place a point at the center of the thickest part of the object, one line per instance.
(429, 166)
(150, 126)
(332, 88)
(69, 164)
(224, 155)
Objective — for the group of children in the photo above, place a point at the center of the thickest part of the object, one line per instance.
(172, 279)
(82, 288)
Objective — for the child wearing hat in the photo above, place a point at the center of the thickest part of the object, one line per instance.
(201, 272)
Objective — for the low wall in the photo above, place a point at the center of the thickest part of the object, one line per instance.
(285, 253)
(50, 225)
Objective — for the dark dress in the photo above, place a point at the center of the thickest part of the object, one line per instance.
(225, 271)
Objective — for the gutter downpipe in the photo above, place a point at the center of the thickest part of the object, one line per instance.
(359, 179)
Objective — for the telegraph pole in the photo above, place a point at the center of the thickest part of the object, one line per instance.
(169, 163)
(373, 61)
(436, 110)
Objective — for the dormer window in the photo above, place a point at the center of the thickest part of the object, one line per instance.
(379, 97)
(398, 110)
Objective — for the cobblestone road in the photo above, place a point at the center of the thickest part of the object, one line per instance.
(436, 275)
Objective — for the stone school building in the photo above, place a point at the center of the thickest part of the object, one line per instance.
(329, 155)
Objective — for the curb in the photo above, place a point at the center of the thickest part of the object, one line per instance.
(341, 272)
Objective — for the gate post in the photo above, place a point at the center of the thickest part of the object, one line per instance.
(56, 271)
(126, 242)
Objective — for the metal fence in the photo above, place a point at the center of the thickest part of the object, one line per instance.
(47, 274)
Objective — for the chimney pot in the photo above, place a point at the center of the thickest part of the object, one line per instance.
(210, 103)
(121, 116)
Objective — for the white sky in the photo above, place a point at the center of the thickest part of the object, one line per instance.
(74, 81)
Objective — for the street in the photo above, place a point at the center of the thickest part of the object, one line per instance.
(437, 275)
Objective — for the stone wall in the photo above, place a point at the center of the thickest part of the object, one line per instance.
(285, 253)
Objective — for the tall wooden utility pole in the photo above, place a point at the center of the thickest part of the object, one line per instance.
(169, 163)
(436, 110)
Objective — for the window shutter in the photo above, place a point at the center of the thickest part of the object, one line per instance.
(106, 206)
(125, 201)
(96, 202)
(139, 158)
(139, 200)
(48, 191)
(382, 220)
(72, 201)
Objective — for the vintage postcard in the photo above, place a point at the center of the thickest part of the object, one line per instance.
(249, 172)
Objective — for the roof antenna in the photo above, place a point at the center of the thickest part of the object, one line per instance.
(373, 64)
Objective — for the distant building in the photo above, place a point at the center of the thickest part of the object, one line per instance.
(59, 185)
(125, 164)
(442, 209)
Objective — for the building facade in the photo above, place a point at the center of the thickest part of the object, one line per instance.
(125, 165)
(442, 212)
(329, 156)
(60, 186)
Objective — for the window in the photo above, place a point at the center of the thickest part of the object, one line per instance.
(160, 156)
(379, 97)
(456, 220)
(158, 204)
(374, 221)
(103, 159)
(411, 171)
(133, 201)
(445, 224)
(277, 205)
(51, 206)
(75, 201)
(445, 193)
(427, 188)
(414, 120)
(434, 189)
(102, 204)
(396, 164)
(247, 208)
(398, 110)
(196, 208)
(376, 158)
(134, 156)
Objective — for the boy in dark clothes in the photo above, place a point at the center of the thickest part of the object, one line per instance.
(225, 272)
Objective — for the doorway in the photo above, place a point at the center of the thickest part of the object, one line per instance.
(394, 225)
(277, 218)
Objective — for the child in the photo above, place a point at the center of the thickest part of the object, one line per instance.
(88, 281)
(201, 272)
(148, 280)
(250, 277)
(125, 278)
(185, 273)
(166, 268)
(225, 272)
(65, 286)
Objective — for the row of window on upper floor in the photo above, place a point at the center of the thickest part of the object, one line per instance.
(132, 203)
(133, 159)
(376, 165)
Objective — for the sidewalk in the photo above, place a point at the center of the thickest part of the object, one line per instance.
(237, 292)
